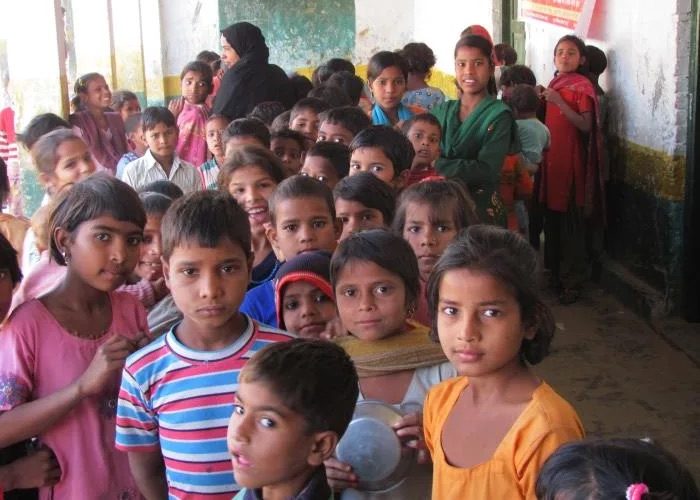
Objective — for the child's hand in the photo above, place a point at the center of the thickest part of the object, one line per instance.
(551, 95)
(140, 341)
(176, 105)
(411, 426)
(339, 475)
(334, 329)
(108, 359)
(33, 471)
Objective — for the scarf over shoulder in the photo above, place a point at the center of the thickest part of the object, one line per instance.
(107, 151)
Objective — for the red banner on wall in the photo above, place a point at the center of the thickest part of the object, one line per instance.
(572, 14)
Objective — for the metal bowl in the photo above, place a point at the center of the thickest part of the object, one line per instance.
(372, 448)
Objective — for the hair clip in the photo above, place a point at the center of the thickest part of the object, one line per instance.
(635, 491)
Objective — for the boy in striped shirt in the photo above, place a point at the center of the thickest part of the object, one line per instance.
(177, 393)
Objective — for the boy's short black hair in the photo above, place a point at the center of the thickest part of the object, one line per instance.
(422, 117)
(267, 111)
(250, 127)
(332, 95)
(41, 125)
(155, 203)
(281, 121)
(167, 188)
(8, 260)
(208, 56)
(203, 69)
(350, 83)
(300, 186)
(153, 115)
(301, 85)
(133, 123)
(505, 53)
(348, 117)
(246, 156)
(312, 103)
(516, 74)
(287, 133)
(314, 378)
(393, 144)
(367, 189)
(524, 99)
(384, 249)
(205, 218)
(337, 154)
(98, 195)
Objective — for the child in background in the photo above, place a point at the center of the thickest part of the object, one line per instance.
(384, 152)
(147, 283)
(63, 352)
(327, 162)
(420, 60)
(424, 132)
(376, 284)
(214, 61)
(429, 216)
(387, 73)
(101, 129)
(305, 120)
(302, 219)
(490, 429)
(267, 111)
(504, 55)
(161, 161)
(306, 392)
(342, 124)
(251, 174)
(245, 131)
(191, 112)
(281, 121)
(635, 469)
(332, 95)
(39, 126)
(304, 295)
(350, 83)
(125, 103)
(214, 131)
(167, 188)
(289, 146)
(573, 182)
(14, 229)
(136, 141)
(206, 263)
(363, 202)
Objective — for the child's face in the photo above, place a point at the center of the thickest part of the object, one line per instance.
(356, 217)
(270, 445)
(289, 152)
(130, 107)
(241, 140)
(371, 300)
(194, 88)
(150, 266)
(428, 231)
(374, 161)
(138, 141)
(567, 58)
(306, 123)
(303, 225)
(306, 310)
(425, 138)
(251, 187)
(161, 140)
(6, 289)
(214, 131)
(97, 94)
(334, 132)
(102, 251)
(479, 323)
(208, 284)
(388, 88)
(321, 169)
(472, 70)
(74, 164)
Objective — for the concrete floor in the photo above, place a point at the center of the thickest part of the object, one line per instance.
(624, 378)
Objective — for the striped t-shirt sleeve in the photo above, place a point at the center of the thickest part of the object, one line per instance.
(137, 427)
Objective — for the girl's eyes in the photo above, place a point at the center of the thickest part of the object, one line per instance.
(382, 290)
(355, 166)
(443, 228)
(265, 185)
(449, 311)
(238, 409)
(492, 313)
(367, 217)
(413, 229)
(377, 168)
(102, 237)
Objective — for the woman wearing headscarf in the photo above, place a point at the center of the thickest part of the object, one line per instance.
(249, 79)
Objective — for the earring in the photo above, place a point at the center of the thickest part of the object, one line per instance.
(66, 257)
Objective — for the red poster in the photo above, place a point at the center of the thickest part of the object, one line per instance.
(572, 14)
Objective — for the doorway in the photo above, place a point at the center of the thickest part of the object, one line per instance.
(513, 31)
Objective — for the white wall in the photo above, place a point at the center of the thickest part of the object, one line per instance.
(382, 25)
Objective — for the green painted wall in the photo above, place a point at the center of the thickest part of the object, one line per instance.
(299, 33)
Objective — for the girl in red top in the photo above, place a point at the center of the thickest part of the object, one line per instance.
(572, 187)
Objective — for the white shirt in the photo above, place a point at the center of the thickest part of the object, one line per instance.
(146, 169)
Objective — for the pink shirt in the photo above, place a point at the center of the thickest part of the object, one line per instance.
(192, 140)
(39, 357)
(41, 279)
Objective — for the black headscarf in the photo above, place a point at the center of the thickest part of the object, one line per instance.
(251, 80)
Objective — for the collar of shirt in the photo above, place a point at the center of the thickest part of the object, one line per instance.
(316, 489)
(151, 162)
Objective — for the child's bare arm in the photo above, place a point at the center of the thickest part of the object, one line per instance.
(148, 469)
(33, 471)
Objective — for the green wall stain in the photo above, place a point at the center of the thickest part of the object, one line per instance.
(299, 33)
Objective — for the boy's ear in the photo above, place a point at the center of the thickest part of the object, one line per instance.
(166, 271)
(322, 447)
(401, 179)
(271, 235)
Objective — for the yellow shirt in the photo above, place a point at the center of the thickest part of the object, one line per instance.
(547, 422)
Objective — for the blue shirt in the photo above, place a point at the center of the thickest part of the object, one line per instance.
(259, 304)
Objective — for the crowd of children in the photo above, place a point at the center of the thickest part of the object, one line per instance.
(209, 293)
